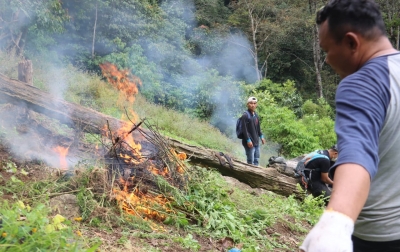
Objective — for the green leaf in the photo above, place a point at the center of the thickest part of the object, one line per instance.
(94, 247)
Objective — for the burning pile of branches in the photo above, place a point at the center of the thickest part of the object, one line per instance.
(134, 175)
(135, 169)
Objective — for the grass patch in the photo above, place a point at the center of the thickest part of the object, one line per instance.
(219, 210)
(209, 208)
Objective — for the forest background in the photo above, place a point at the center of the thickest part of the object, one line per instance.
(200, 57)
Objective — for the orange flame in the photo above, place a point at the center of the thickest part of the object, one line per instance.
(128, 138)
(182, 156)
(62, 152)
(136, 202)
(127, 84)
(139, 204)
(156, 171)
(122, 80)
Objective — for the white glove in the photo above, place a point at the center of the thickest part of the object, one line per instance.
(332, 233)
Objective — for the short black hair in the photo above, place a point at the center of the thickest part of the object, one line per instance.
(361, 16)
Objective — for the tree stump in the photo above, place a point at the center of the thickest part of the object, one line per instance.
(25, 72)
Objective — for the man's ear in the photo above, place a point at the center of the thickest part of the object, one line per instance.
(352, 41)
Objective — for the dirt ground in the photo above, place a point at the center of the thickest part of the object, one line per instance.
(116, 239)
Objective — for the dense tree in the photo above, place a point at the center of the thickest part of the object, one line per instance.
(317, 54)
(391, 13)
(266, 23)
(211, 13)
(31, 20)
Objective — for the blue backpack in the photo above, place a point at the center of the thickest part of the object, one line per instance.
(239, 126)
(301, 166)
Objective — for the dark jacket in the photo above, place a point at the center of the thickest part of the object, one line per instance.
(319, 165)
(251, 129)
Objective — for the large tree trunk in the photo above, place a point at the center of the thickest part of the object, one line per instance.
(271, 179)
(20, 94)
(318, 62)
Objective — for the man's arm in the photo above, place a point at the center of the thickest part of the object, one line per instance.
(333, 231)
(246, 135)
(350, 190)
(325, 164)
(326, 179)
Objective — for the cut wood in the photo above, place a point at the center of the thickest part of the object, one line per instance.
(89, 120)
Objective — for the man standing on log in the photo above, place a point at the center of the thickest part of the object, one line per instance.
(365, 197)
(252, 132)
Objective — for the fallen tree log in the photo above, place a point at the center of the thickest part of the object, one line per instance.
(270, 179)
(70, 114)
(288, 167)
(89, 120)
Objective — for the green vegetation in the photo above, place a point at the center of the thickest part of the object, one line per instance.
(26, 228)
(208, 208)
(298, 127)
(25, 221)
(242, 215)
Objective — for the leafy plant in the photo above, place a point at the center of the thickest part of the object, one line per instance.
(25, 228)
(243, 217)
(189, 242)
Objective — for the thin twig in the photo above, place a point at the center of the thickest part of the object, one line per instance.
(59, 194)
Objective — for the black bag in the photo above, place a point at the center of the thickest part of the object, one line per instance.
(239, 126)
(276, 160)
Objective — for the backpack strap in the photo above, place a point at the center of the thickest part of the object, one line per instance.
(314, 155)
(248, 114)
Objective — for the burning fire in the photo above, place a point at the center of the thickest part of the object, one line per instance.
(134, 201)
(142, 205)
(122, 80)
(62, 152)
(128, 138)
(182, 156)
(127, 84)
(156, 171)
(128, 159)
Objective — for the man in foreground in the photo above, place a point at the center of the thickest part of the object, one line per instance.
(252, 132)
(365, 197)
